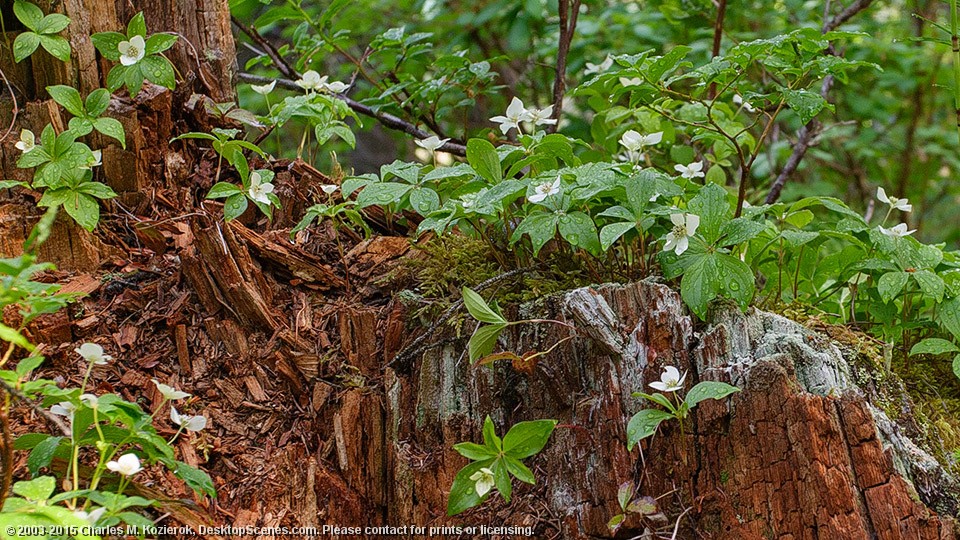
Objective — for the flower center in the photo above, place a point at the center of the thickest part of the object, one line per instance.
(679, 230)
(133, 51)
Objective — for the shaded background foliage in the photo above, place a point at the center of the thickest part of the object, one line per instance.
(890, 128)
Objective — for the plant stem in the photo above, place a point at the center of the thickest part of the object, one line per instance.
(955, 43)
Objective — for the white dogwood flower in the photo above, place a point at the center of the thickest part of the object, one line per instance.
(169, 392)
(544, 190)
(27, 142)
(633, 141)
(187, 422)
(897, 231)
(263, 89)
(64, 408)
(684, 226)
(894, 202)
(311, 81)
(693, 170)
(329, 188)
(431, 143)
(515, 114)
(484, 481)
(132, 51)
(670, 380)
(738, 100)
(598, 68)
(127, 465)
(335, 87)
(259, 189)
(92, 516)
(541, 116)
(628, 81)
(93, 353)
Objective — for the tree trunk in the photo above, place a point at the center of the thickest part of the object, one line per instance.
(204, 56)
(819, 443)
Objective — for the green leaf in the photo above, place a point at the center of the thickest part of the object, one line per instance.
(111, 127)
(713, 207)
(57, 46)
(159, 71)
(541, 227)
(708, 390)
(11, 335)
(482, 156)
(24, 45)
(930, 284)
(490, 438)
(474, 451)
(424, 200)
(137, 26)
(83, 209)
(108, 43)
(68, 98)
(97, 189)
(799, 238)
(739, 230)
(160, 42)
(196, 479)
(479, 309)
(644, 424)
(235, 205)
(736, 279)
(53, 23)
(805, 103)
(28, 364)
(578, 229)
(484, 340)
(527, 438)
(612, 232)
(382, 194)
(29, 14)
(463, 492)
(956, 366)
(38, 489)
(42, 454)
(933, 346)
(501, 478)
(890, 284)
(519, 470)
(223, 189)
(97, 102)
(700, 284)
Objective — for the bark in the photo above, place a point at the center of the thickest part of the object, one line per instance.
(808, 449)
(205, 58)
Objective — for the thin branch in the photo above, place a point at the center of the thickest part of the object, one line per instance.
(285, 68)
(16, 109)
(387, 119)
(568, 25)
(717, 37)
(416, 346)
(807, 134)
(54, 419)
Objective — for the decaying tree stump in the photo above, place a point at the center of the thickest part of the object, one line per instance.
(819, 444)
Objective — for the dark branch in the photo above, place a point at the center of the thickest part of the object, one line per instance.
(807, 134)
(568, 25)
(386, 119)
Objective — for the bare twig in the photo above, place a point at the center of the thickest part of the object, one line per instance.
(807, 134)
(54, 419)
(16, 109)
(387, 119)
(416, 346)
(285, 68)
(568, 25)
(717, 37)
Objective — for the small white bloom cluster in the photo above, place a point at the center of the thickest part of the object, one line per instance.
(517, 112)
(311, 81)
(895, 203)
